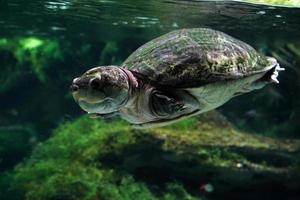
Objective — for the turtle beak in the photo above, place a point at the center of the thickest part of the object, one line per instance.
(74, 88)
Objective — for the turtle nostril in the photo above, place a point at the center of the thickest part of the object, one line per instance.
(74, 88)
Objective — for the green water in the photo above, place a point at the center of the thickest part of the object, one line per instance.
(45, 44)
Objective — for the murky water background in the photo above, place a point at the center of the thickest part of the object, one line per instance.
(84, 34)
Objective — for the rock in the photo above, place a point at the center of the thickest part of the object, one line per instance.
(90, 159)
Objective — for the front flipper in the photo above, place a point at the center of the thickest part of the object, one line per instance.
(166, 105)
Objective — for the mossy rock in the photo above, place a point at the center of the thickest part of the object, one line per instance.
(90, 159)
(278, 2)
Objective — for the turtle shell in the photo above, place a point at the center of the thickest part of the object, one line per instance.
(195, 57)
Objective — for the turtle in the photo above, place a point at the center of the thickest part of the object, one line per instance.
(180, 74)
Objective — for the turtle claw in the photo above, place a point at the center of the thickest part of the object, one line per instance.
(278, 68)
(276, 73)
(274, 79)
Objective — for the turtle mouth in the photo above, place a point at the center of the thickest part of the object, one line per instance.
(100, 107)
(76, 96)
(87, 95)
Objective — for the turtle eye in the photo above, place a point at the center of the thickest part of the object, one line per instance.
(96, 83)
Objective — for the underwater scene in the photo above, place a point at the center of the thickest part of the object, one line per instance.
(209, 110)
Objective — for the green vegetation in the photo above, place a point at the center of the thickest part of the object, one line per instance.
(67, 167)
(278, 2)
(90, 159)
(24, 56)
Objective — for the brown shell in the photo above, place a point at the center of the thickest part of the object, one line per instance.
(194, 57)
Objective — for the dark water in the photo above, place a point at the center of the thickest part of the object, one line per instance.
(84, 34)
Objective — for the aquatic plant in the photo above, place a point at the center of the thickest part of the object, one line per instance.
(68, 166)
(24, 55)
(109, 53)
(90, 159)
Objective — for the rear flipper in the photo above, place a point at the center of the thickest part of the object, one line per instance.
(272, 74)
(269, 77)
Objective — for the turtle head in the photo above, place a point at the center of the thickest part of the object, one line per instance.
(101, 90)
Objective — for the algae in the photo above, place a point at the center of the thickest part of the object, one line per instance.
(109, 53)
(90, 159)
(24, 56)
(278, 2)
